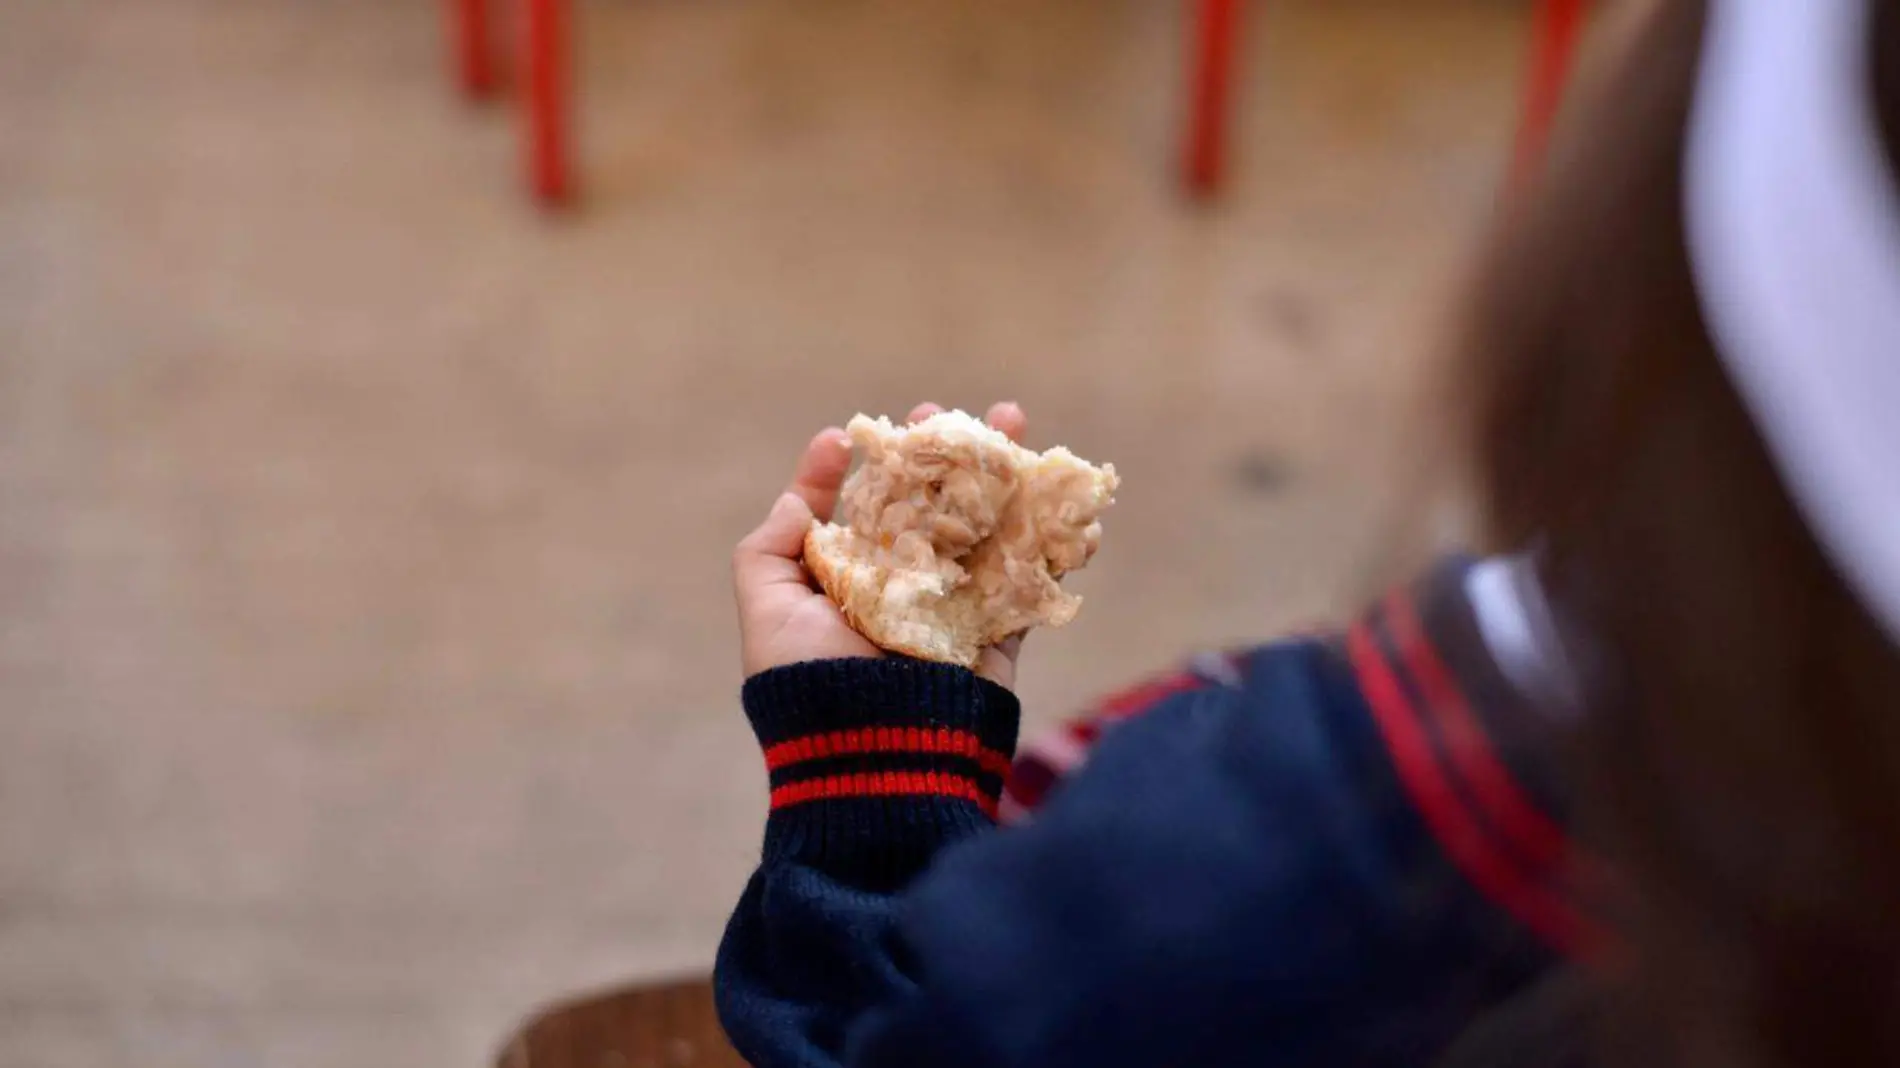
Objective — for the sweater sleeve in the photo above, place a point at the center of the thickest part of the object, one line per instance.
(1236, 877)
(875, 766)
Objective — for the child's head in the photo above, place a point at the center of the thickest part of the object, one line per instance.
(1743, 738)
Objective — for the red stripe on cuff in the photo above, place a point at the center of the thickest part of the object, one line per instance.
(884, 784)
(940, 741)
(1464, 840)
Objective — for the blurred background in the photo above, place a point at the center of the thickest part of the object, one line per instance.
(367, 669)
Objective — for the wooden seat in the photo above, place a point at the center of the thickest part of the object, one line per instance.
(668, 1025)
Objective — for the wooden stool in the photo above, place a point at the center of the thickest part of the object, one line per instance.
(669, 1025)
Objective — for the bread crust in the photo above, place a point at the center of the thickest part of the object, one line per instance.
(831, 578)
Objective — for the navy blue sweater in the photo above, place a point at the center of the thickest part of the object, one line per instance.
(1344, 858)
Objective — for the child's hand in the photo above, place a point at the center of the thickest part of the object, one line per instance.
(782, 618)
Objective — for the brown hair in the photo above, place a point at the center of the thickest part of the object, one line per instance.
(1741, 754)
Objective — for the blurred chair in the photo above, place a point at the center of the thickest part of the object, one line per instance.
(1216, 25)
(550, 164)
(668, 1025)
(471, 35)
(546, 77)
(1556, 27)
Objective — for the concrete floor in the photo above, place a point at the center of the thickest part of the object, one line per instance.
(366, 668)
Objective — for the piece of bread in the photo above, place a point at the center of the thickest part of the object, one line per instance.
(950, 537)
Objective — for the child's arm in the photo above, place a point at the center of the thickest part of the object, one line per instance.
(1238, 876)
(1301, 868)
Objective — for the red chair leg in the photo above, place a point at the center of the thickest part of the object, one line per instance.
(474, 49)
(549, 166)
(1558, 24)
(1217, 24)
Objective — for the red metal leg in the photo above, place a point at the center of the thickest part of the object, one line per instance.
(474, 49)
(1558, 24)
(1217, 24)
(549, 170)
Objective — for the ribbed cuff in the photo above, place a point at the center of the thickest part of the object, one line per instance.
(876, 764)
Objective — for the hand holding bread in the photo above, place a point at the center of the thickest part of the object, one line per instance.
(949, 543)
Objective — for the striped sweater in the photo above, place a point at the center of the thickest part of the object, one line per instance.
(1345, 848)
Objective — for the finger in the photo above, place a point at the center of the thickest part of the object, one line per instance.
(998, 662)
(993, 665)
(782, 535)
(923, 411)
(1012, 646)
(770, 557)
(821, 471)
(1008, 417)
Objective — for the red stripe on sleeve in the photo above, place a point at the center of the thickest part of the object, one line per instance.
(863, 740)
(884, 784)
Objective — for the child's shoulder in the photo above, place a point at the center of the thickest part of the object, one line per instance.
(1437, 695)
